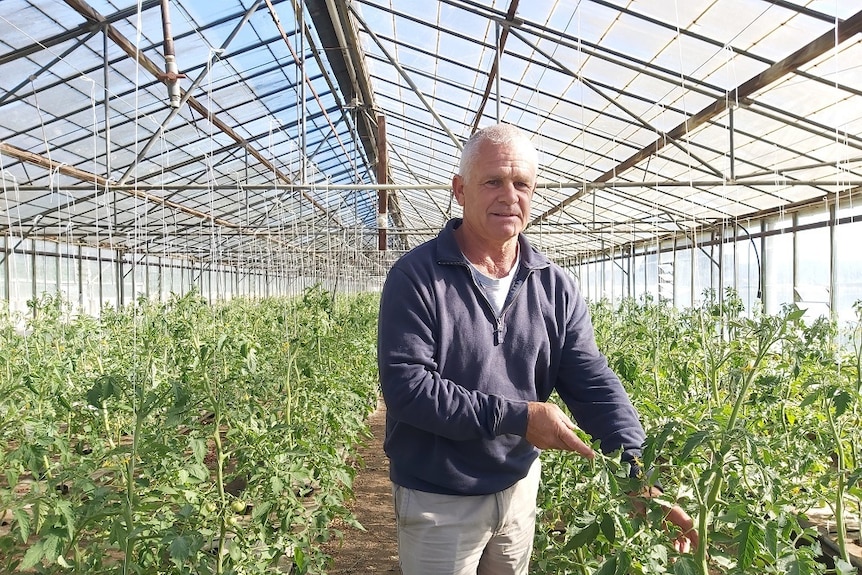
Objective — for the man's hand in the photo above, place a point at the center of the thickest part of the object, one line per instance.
(548, 427)
(687, 539)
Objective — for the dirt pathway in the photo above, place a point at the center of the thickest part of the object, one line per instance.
(375, 549)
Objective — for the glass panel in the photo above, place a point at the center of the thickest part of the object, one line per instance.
(68, 281)
(90, 298)
(4, 262)
(747, 273)
(128, 271)
(20, 281)
(812, 290)
(651, 270)
(778, 259)
(46, 270)
(848, 288)
(703, 272)
(638, 274)
(682, 279)
(109, 280)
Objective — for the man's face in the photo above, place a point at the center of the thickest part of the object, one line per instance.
(497, 191)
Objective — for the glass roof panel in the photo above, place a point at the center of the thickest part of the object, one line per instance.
(616, 92)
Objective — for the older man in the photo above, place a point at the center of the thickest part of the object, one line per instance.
(477, 328)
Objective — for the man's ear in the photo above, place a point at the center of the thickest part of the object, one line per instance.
(458, 189)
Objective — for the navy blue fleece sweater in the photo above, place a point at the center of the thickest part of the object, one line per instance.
(456, 378)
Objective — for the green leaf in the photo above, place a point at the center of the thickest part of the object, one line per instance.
(796, 314)
(199, 448)
(583, 537)
(608, 527)
(749, 540)
(797, 567)
(261, 510)
(65, 508)
(685, 566)
(299, 559)
(693, 441)
(198, 471)
(276, 483)
(624, 562)
(810, 398)
(609, 567)
(22, 519)
(180, 548)
(841, 401)
(33, 556)
(104, 388)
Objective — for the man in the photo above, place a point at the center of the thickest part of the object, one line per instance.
(476, 329)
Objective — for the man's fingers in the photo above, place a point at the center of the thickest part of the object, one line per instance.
(574, 443)
(688, 534)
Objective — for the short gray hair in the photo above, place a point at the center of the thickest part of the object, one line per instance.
(497, 134)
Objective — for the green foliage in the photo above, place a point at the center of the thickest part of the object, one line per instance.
(751, 420)
(181, 437)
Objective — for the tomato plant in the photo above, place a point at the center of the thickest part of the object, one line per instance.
(751, 421)
(181, 437)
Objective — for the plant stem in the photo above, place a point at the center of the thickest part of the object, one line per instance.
(839, 491)
(220, 487)
(128, 504)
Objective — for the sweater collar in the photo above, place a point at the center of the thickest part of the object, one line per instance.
(448, 251)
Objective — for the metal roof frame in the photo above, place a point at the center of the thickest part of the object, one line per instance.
(639, 138)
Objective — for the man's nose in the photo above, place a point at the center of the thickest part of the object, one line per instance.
(509, 194)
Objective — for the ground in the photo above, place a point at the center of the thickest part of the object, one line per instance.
(375, 549)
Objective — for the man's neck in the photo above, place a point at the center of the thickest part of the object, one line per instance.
(493, 260)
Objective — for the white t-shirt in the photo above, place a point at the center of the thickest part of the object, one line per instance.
(496, 289)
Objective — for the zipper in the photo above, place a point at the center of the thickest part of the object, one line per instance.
(500, 331)
(499, 320)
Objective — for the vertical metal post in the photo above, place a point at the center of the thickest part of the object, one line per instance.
(106, 101)
(382, 195)
(7, 288)
(299, 32)
(764, 258)
(33, 283)
(171, 72)
(833, 261)
(117, 258)
(80, 278)
(721, 264)
(498, 58)
(795, 276)
(732, 150)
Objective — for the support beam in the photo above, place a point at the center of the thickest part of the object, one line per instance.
(494, 74)
(408, 79)
(382, 177)
(101, 182)
(129, 48)
(827, 41)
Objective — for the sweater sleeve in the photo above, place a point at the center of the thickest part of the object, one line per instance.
(593, 392)
(414, 390)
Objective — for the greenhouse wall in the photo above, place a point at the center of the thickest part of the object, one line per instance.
(91, 278)
(810, 258)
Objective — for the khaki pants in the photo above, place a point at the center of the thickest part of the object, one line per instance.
(467, 535)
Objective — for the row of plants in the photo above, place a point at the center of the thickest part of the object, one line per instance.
(182, 437)
(752, 420)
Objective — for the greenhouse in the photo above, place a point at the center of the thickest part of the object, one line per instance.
(202, 201)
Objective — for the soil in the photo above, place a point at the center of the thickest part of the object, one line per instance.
(374, 550)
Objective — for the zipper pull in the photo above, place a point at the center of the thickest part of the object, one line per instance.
(499, 331)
